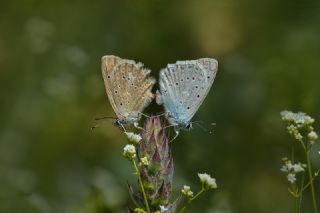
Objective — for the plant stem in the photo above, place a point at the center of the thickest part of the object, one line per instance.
(311, 179)
(193, 198)
(141, 186)
(197, 195)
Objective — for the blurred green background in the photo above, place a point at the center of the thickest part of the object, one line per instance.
(52, 89)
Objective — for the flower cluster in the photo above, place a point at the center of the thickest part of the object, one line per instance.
(186, 191)
(152, 160)
(133, 138)
(207, 181)
(300, 125)
(299, 118)
(292, 169)
(129, 151)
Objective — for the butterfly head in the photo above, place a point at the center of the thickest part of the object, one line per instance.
(188, 126)
(130, 119)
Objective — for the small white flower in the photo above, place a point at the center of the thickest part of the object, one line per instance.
(163, 208)
(133, 138)
(297, 118)
(129, 151)
(144, 161)
(291, 177)
(297, 168)
(187, 192)
(208, 181)
(313, 136)
(284, 168)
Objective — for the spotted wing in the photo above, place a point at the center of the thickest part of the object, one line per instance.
(128, 87)
(184, 86)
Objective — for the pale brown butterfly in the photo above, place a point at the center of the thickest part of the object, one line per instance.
(128, 86)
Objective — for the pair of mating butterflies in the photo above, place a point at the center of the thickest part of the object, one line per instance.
(183, 87)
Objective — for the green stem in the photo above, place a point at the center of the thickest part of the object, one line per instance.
(141, 186)
(314, 200)
(192, 199)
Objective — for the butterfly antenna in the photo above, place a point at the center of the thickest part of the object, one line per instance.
(106, 117)
(201, 125)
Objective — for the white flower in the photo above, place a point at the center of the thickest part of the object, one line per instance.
(297, 118)
(133, 138)
(144, 161)
(129, 151)
(163, 208)
(187, 192)
(208, 181)
(291, 177)
(313, 136)
(284, 168)
(297, 168)
(288, 167)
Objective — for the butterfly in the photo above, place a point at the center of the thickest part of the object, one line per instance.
(183, 87)
(128, 87)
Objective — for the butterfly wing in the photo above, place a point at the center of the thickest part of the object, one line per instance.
(128, 87)
(184, 86)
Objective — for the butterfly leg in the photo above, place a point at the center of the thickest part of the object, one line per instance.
(145, 115)
(177, 134)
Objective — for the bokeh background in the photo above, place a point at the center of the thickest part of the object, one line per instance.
(51, 90)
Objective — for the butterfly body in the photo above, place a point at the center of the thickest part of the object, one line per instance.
(128, 87)
(183, 87)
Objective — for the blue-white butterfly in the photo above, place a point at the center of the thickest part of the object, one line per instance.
(183, 87)
(128, 86)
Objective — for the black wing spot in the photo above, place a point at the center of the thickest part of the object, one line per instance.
(197, 86)
(123, 77)
(177, 83)
(193, 78)
(120, 104)
(188, 78)
(109, 76)
(198, 96)
(188, 107)
(208, 76)
(135, 87)
(181, 80)
(116, 91)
